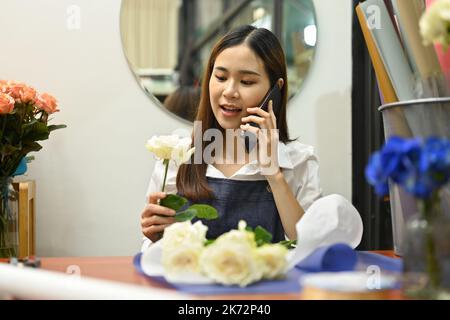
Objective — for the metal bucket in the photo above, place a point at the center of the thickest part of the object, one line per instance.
(415, 118)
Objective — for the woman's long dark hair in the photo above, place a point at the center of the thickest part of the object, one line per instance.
(191, 178)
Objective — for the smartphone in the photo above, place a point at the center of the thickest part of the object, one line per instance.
(273, 94)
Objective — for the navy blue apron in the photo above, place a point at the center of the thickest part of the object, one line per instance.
(237, 200)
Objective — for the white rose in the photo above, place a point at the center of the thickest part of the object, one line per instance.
(274, 260)
(240, 235)
(181, 260)
(181, 233)
(435, 22)
(231, 262)
(182, 244)
(182, 151)
(162, 146)
(171, 148)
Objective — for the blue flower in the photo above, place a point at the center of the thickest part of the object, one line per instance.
(420, 167)
(405, 154)
(435, 161)
(396, 161)
(376, 175)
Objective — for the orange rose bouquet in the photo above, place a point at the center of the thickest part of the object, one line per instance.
(24, 117)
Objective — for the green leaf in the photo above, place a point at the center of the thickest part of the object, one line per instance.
(35, 130)
(289, 244)
(8, 149)
(55, 127)
(29, 146)
(185, 215)
(201, 211)
(27, 127)
(205, 211)
(209, 241)
(262, 236)
(173, 201)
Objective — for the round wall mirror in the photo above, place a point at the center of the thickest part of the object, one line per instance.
(167, 43)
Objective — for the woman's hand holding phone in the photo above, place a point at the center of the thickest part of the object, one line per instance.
(267, 138)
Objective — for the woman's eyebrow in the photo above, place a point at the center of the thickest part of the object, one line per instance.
(240, 71)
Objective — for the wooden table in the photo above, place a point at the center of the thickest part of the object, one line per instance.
(121, 269)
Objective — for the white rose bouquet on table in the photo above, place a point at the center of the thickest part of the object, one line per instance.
(238, 257)
(167, 148)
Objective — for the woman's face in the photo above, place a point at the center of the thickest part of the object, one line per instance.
(238, 81)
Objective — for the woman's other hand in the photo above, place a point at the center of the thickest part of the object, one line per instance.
(155, 218)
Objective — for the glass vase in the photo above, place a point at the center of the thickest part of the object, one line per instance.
(426, 261)
(9, 235)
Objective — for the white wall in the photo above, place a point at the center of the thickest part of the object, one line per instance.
(92, 176)
(321, 113)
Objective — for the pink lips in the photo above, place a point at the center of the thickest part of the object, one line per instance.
(230, 111)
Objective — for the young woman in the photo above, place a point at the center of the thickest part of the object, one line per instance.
(244, 65)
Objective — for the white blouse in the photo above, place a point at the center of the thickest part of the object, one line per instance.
(298, 162)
